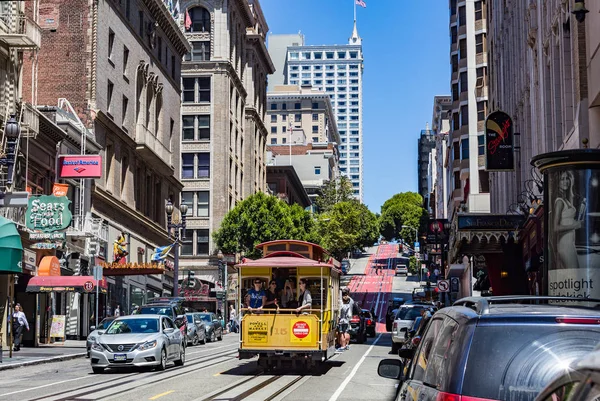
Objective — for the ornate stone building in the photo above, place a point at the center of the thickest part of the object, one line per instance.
(223, 137)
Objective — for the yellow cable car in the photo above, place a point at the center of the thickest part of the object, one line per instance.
(280, 335)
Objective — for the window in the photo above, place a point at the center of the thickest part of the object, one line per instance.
(187, 165)
(141, 26)
(273, 130)
(462, 16)
(283, 140)
(341, 55)
(125, 59)
(453, 35)
(203, 165)
(315, 139)
(306, 68)
(315, 129)
(273, 106)
(315, 105)
(202, 206)
(188, 90)
(200, 51)
(315, 117)
(353, 54)
(273, 141)
(454, 63)
(318, 55)
(456, 151)
(283, 129)
(462, 49)
(294, 68)
(111, 42)
(187, 123)
(464, 115)
(317, 67)
(187, 197)
(480, 146)
(479, 46)
(329, 55)
(187, 244)
(124, 106)
(203, 127)
(438, 360)
(484, 181)
(159, 46)
(202, 242)
(454, 92)
(297, 106)
(109, 93)
(317, 170)
(293, 55)
(306, 55)
(283, 106)
(463, 82)
(457, 180)
(204, 89)
(273, 118)
(284, 117)
(173, 67)
(478, 10)
(481, 111)
(200, 20)
(464, 149)
(298, 117)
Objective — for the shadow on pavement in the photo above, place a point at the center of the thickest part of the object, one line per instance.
(251, 369)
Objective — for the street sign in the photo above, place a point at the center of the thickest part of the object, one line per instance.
(98, 272)
(443, 286)
(417, 247)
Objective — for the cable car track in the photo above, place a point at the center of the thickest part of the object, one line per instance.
(252, 390)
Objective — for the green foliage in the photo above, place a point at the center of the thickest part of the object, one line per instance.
(347, 226)
(402, 209)
(333, 192)
(412, 267)
(261, 218)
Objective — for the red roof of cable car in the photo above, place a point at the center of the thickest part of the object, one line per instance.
(284, 261)
(292, 241)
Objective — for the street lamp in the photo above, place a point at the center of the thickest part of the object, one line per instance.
(416, 240)
(176, 226)
(223, 278)
(579, 10)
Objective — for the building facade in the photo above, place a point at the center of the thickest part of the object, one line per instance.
(224, 137)
(127, 100)
(469, 189)
(440, 125)
(337, 70)
(278, 45)
(425, 145)
(301, 115)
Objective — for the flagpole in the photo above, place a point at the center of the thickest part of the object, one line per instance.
(354, 10)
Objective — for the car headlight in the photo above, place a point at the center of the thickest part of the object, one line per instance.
(92, 339)
(96, 346)
(148, 345)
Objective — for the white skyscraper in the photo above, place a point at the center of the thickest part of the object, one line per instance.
(336, 70)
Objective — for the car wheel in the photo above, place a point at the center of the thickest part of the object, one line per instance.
(213, 336)
(395, 348)
(97, 371)
(181, 360)
(195, 340)
(203, 341)
(163, 360)
(220, 338)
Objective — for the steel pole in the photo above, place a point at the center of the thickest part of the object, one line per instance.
(176, 272)
(97, 285)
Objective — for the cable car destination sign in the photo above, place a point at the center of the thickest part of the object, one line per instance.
(48, 213)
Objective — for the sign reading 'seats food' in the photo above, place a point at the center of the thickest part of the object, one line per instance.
(48, 213)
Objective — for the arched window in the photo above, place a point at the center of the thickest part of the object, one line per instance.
(200, 18)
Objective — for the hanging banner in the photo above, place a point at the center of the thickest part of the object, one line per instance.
(499, 142)
(77, 166)
(60, 189)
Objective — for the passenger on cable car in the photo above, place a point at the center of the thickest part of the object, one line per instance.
(257, 296)
(288, 298)
(305, 299)
(272, 296)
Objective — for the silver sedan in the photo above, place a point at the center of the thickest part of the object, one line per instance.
(138, 340)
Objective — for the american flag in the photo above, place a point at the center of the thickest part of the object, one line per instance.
(361, 3)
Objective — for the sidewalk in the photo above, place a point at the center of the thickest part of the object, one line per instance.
(45, 353)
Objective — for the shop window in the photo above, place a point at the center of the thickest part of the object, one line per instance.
(202, 242)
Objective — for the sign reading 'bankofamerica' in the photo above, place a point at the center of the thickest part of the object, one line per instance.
(78, 166)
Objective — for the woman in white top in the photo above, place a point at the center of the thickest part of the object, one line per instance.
(19, 322)
(304, 299)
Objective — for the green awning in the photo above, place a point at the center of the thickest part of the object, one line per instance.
(11, 249)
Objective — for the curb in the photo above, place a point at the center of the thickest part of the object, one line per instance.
(41, 361)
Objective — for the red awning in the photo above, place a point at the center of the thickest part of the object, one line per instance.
(84, 284)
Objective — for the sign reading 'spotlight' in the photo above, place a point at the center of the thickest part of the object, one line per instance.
(48, 213)
(77, 166)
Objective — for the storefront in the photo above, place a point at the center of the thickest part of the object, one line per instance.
(11, 255)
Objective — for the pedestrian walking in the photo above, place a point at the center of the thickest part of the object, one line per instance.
(232, 319)
(436, 274)
(118, 311)
(344, 322)
(19, 322)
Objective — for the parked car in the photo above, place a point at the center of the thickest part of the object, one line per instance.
(401, 269)
(138, 340)
(345, 266)
(173, 310)
(405, 317)
(392, 309)
(568, 386)
(358, 328)
(196, 332)
(96, 331)
(495, 348)
(212, 326)
(370, 322)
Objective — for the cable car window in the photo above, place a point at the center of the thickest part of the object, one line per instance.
(314, 286)
(275, 248)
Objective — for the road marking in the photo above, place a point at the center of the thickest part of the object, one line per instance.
(342, 386)
(45, 385)
(217, 374)
(161, 395)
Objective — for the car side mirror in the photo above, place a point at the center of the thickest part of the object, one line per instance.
(390, 368)
(100, 332)
(406, 353)
(92, 328)
(168, 330)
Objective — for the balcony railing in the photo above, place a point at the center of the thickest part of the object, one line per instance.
(19, 31)
(147, 141)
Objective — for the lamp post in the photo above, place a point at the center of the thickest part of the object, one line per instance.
(416, 240)
(176, 226)
(223, 278)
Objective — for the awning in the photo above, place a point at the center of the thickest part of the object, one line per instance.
(83, 284)
(11, 249)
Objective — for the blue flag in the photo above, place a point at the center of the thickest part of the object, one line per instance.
(161, 252)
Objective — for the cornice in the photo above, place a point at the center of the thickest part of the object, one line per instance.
(252, 113)
(262, 51)
(168, 25)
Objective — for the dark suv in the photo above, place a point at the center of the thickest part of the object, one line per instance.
(172, 309)
(495, 348)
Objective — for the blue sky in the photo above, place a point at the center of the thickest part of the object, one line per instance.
(406, 51)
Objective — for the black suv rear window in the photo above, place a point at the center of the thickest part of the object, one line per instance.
(156, 310)
(515, 362)
(409, 313)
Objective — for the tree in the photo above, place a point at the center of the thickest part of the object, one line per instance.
(402, 209)
(260, 218)
(333, 192)
(347, 226)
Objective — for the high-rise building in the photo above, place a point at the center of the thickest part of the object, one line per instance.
(440, 126)
(426, 143)
(278, 45)
(223, 141)
(469, 70)
(336, 70)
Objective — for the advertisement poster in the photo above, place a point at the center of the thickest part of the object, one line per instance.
(573, 232)
(57, 329)
(499, 150)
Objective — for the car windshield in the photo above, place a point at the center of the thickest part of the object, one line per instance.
(529, 357)
(189, 318)
(133, 326)
(105, 323)
(155, 310)
(205, 317)
(409, 313)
